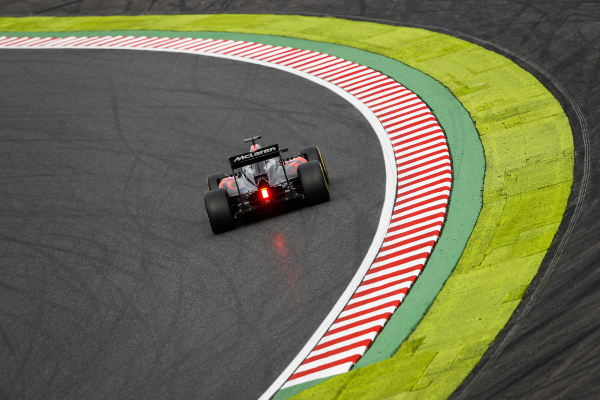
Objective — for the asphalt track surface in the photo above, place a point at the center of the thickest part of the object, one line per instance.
(555, 351)
(113, 285)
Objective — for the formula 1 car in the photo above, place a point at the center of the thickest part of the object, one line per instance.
(262, 181)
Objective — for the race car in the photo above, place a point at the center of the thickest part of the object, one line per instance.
(262, 182)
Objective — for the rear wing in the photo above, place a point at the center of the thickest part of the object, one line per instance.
(252, 157)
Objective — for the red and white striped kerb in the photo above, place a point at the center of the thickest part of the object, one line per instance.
(424, 181)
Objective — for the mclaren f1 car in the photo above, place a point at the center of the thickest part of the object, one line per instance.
(262, 181)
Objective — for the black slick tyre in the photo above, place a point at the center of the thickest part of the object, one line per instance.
(313, 153)
(313, 183)
(218, 211)
(212, 182)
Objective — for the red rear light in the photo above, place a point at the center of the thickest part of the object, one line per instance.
(265, 193)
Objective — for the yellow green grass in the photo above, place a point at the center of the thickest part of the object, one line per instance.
(529, 167)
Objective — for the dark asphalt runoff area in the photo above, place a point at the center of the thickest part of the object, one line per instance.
(111, 282)
(555, 350)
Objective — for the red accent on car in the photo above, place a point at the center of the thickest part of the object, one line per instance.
(228, 182)
(295, 162)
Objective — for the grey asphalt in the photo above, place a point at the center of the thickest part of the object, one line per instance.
(111, 282)
(554, 352)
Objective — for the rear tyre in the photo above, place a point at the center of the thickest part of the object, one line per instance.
(313, 153)
(313, 183)
(218, 211)
(212, 182)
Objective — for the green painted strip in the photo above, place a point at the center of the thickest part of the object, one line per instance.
(529, 166)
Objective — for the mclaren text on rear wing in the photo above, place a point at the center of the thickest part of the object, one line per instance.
(265, 153)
